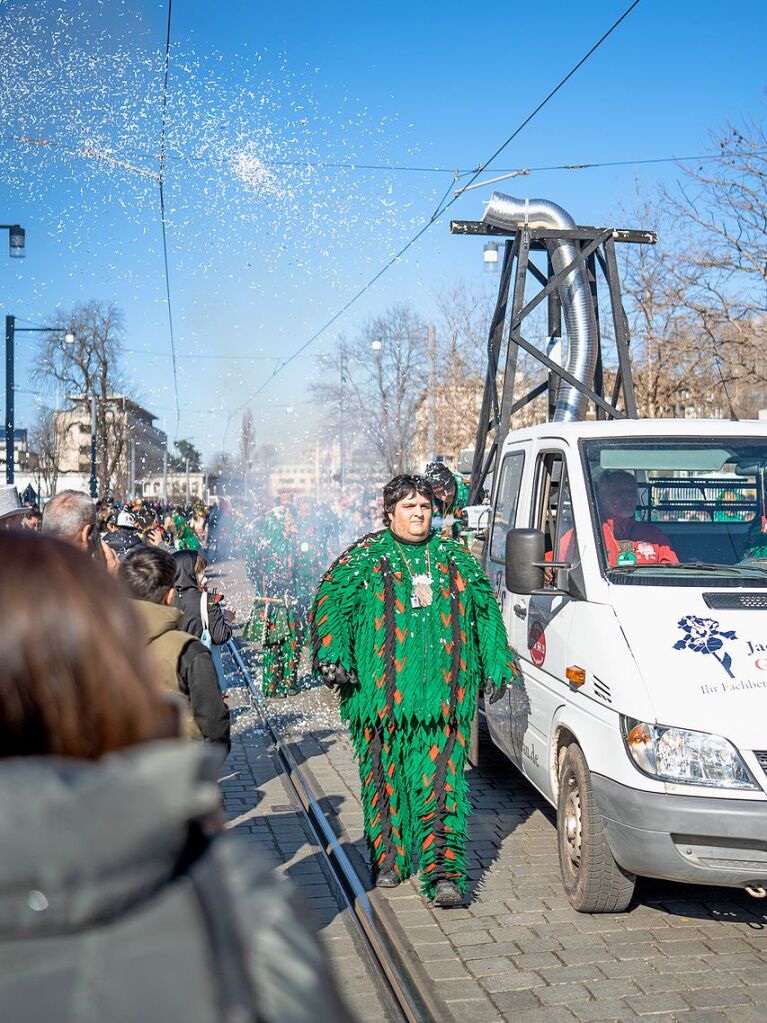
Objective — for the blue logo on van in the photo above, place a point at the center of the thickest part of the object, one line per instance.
(703, 636)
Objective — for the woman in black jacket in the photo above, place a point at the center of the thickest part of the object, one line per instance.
(120, 901)
(190, 570)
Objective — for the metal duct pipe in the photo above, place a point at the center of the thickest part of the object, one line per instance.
(509, 213)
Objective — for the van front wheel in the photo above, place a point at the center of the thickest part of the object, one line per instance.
(593, 880)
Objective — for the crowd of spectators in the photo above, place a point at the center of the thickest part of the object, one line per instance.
(120, 897)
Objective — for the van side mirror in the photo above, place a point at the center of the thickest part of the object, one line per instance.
(524, 548)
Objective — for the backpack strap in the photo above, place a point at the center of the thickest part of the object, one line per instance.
(236, 998)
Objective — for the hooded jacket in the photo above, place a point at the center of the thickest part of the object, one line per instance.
(178, 652)
(188, 599)
(100, 916)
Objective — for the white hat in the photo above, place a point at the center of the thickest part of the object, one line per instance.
(126, 519)
(9, 502)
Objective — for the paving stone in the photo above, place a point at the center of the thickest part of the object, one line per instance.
(493, 964)
(613, 1010)
(700, 1016)
(467, 939)
(511, 981)
(566, 974)
(549, 1014)
(564, 994)
(620, 987)
(498, 948)
(516, 1002)
(664, 1001)
(629, 968)
(478, 1010)
(680, 964)
(707, 998)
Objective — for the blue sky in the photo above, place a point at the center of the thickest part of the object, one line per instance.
(264, 249)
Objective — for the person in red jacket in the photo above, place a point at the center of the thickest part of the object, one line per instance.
(626, 540)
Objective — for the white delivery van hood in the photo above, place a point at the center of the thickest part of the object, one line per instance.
(704, 669)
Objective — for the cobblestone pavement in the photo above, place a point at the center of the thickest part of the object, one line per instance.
(261, 809)
(517, 950)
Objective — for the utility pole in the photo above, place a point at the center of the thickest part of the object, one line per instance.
(94, 471)
(132, 450)
(10, 409)
(165, 473)
(431, 344)
(186, 485)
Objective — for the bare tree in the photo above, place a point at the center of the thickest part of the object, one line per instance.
(89, 369)
(450, 407)
(45, 448)
(719, 211)
(373, 386)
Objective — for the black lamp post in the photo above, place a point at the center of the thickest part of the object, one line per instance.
(10, 400)
(16, 240)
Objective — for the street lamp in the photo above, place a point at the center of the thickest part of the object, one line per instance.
(490, 257)
(16, 240)
(10, 404)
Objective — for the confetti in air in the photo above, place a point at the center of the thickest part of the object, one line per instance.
(247, 147)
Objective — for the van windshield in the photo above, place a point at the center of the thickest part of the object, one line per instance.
(680, 512)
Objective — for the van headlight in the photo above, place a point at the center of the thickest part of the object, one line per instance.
(684, 757)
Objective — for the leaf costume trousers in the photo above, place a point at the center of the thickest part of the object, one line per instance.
(278, 628)
(415, 799)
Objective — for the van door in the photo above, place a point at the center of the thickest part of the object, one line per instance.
(499, 715)
(544, 618)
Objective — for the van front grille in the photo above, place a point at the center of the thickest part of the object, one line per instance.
(735, 601)
(761, 756)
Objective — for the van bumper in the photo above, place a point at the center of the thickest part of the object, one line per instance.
(716, 841)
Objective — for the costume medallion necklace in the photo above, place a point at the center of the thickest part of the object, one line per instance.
(421, 594)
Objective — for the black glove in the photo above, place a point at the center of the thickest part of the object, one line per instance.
(493, 693)
(336, 675)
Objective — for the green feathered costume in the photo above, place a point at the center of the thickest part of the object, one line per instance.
(408, 679)
(270, 561)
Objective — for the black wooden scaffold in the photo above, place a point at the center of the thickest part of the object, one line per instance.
(596, 252)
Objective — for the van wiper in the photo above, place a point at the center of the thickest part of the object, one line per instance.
(713, 567)
(697, 566)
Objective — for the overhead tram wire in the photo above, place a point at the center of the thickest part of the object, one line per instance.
(456, 172)
(161, 182)
(442, 208)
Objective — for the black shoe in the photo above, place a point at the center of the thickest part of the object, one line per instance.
(446, 894)
(387, 879)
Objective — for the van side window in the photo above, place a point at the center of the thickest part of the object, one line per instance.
(506, 504)
(554, 509)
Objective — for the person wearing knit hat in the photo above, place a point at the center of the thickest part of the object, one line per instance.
(405, 625)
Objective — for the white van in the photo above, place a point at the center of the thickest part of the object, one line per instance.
(630, 561)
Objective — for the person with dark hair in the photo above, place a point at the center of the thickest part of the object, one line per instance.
(182, 663)
(192, 597)
(120, 899)
(406, 626)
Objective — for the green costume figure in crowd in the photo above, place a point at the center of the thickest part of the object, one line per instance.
(406, 626)
(186, 539)
(270, 561)
(451, 496)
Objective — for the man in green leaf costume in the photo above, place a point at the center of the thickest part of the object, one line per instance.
(406, 626)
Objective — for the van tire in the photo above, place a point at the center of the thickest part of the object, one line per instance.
(592, 879)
